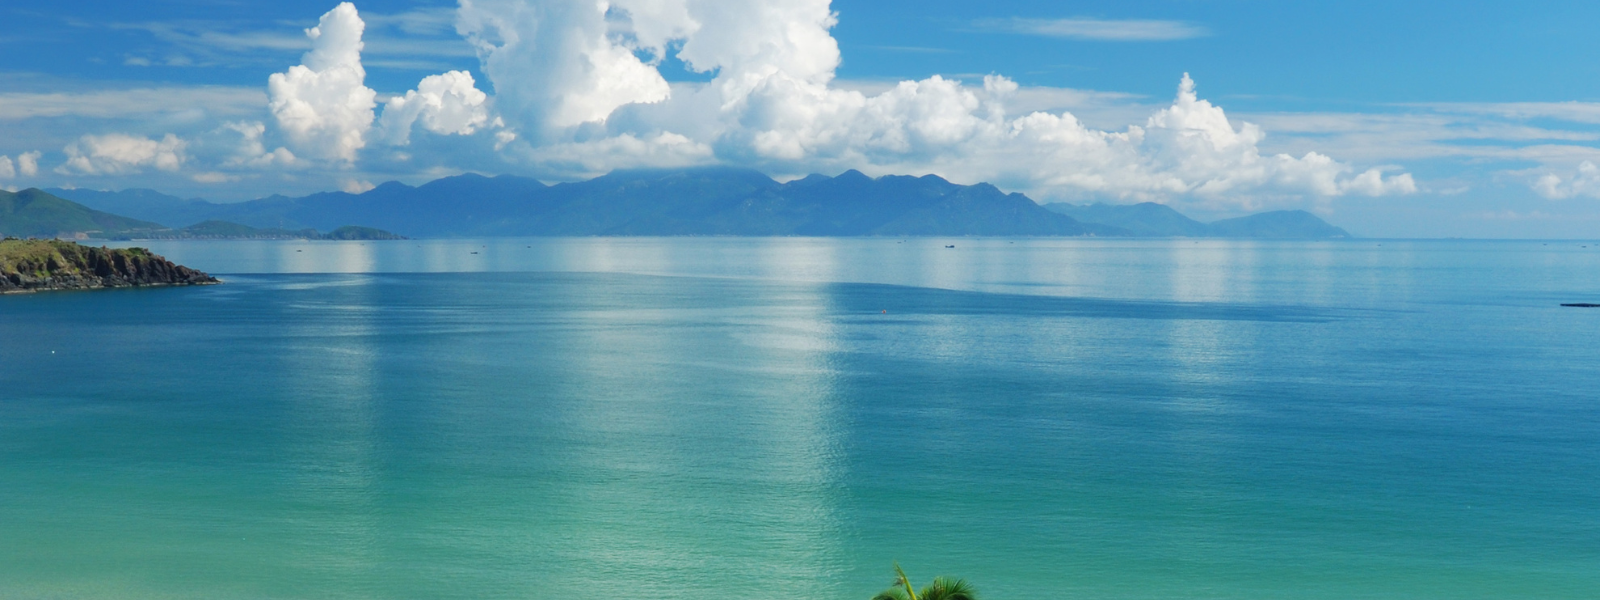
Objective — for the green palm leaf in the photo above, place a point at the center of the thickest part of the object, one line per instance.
(942, 588)
(945, 588)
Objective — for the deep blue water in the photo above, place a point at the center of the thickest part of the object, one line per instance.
(726, 418)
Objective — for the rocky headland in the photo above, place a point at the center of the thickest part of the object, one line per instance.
(39, 265)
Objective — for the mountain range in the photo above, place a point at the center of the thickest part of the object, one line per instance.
(36, 213)
(1148, 219)
(696, 201)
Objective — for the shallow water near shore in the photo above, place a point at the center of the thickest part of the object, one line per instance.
(707, 418)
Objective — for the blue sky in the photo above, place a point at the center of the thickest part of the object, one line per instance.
(1473, 119)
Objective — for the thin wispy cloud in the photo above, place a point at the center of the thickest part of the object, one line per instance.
(912, 49)
(220, 101)
(413, 36)
(1574, 112)
(1101, 30)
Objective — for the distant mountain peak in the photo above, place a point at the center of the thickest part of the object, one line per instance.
(388, 187)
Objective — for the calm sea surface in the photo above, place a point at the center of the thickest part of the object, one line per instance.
(718, 418)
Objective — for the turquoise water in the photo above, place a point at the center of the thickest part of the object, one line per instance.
(731, 418)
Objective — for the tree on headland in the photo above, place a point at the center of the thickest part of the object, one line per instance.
(942, 588)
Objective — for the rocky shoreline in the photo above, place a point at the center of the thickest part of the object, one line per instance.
(44, 265)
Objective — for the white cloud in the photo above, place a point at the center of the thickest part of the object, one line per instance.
(323, 105)
(28, 163)
(117, 154)
(1372, 183)
(355, 186)
(444, 104)
(1584, 182)
(249, 151)
(1105, 30)
(596, 157)
(555, 64)
(559, 67)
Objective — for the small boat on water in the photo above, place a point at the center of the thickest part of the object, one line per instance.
(1581, 305)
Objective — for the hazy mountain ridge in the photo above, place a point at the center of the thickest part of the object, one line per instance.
(1149, 219)
(695, 201)
(37, 213)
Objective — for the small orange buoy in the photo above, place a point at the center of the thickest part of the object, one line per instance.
(886, 312)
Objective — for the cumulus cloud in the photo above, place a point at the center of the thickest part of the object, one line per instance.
(557, 64)
(323, 105)
(445, 104)
(117, 154)
(355, 186)
(571, 71)
(1584, 182)
(250, 151)
(326, 111)
(28, 163)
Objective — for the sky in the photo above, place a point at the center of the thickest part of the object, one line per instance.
(1415, 119)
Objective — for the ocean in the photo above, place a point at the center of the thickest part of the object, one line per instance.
(720, 418)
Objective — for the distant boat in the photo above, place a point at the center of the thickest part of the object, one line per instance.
(951, 246)
(1582, 305)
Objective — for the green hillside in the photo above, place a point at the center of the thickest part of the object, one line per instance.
(34, 213)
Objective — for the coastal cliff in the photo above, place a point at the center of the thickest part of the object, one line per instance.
(37, 265)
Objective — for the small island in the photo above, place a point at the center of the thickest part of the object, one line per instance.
(40, 265)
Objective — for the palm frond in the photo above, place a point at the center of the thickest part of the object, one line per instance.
(894, 593)
(905, 581)
(945, 588)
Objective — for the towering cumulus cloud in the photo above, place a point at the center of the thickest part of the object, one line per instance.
(558, 64)
(583, 76)
(325, 109)
(444, 104)
(323, 106)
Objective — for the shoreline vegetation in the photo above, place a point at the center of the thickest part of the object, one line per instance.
(46, 265)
